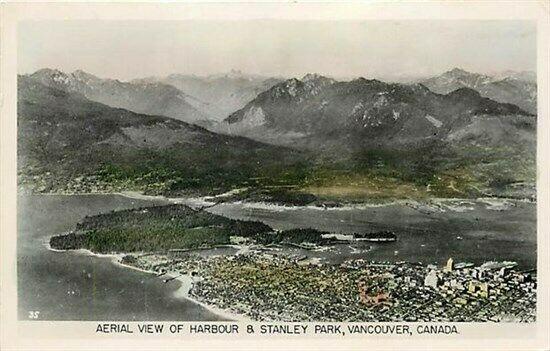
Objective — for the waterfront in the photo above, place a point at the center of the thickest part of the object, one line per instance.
(94, 288)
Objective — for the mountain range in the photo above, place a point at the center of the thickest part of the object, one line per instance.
(308, 137)
(141, 97)
(316, 111)
(518, 88)
(66, 135)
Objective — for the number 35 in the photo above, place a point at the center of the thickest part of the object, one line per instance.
(33, 314)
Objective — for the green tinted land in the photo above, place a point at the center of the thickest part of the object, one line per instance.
(171, 227)
(372, 175)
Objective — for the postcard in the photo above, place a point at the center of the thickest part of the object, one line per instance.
(362, 175)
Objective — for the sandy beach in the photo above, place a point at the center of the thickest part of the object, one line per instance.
(185, 281)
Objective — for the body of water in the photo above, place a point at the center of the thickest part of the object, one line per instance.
(467, 231)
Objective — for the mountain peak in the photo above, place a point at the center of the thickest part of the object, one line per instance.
(457, 72)
(317, 79)
(363, 80)
(312, 76)
(51, 76)
(507, 87)
(80, 74)
(47, 72)
(154, 98)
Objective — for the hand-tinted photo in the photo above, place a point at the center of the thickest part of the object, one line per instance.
(349, 171)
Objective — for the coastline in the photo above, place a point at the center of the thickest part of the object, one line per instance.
(183, 292)
(432, 204)
(435, 204)
(185, 282)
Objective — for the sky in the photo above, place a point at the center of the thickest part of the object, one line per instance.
(342, 49)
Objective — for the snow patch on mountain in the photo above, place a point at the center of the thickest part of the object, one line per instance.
(381, 101)
(292, 87)
(253, 117)
(324, 103)
(396, 115)
(437, 123)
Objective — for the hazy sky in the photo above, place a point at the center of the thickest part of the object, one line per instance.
(382, 49)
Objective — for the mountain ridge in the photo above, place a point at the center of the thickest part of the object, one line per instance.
(382, 144)
(364, 111)
(222, 94)
(147, 98)
(63, 136)
(518, 88)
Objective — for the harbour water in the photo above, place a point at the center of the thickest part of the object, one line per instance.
(468, 231)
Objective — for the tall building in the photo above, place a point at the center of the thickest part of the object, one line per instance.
(450, 266)
(431, 279)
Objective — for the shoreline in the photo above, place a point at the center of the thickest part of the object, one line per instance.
(182, 292)
(206, 201)
(210, 302)
(434, 204)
